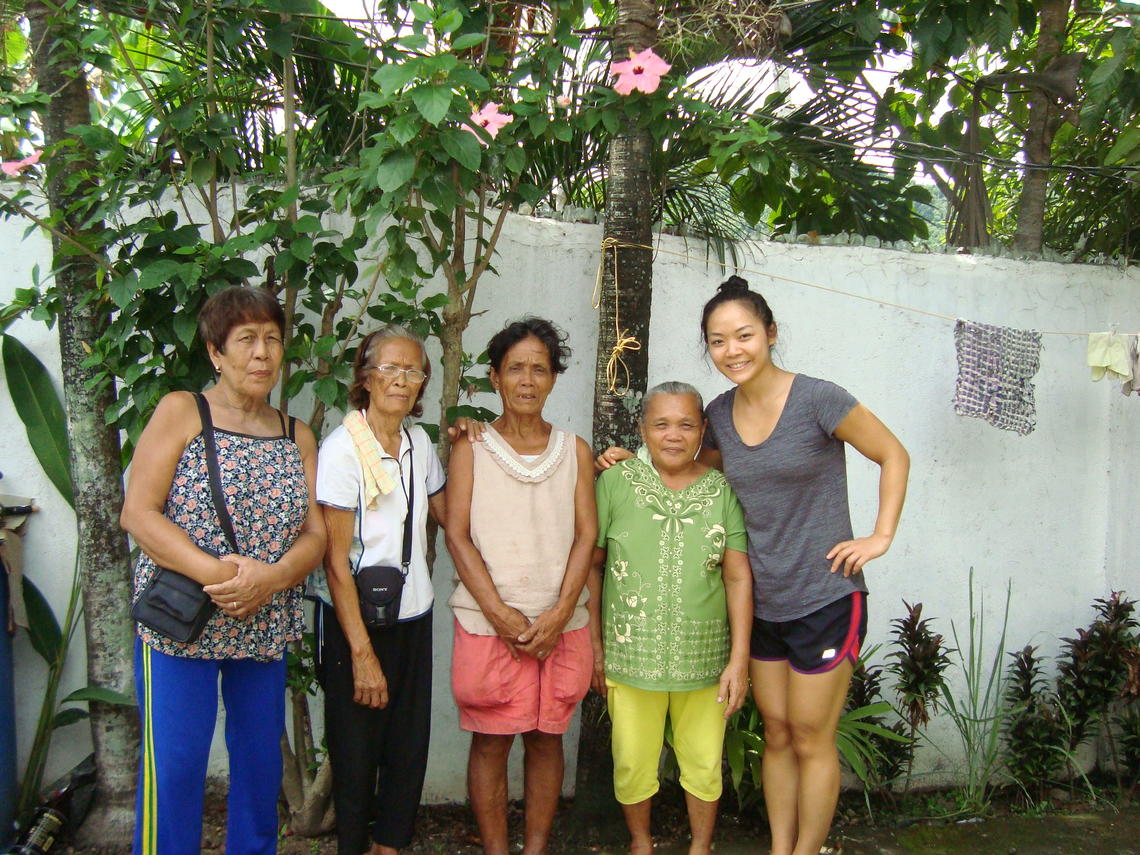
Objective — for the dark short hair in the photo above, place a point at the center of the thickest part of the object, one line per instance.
(358, 395)
(236, 305)
(551, 336)
(736, 289)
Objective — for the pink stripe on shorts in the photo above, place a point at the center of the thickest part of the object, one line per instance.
(495, 694)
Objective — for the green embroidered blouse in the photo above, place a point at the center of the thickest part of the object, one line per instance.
(664, 614)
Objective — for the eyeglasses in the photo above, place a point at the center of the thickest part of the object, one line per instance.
(390, 372)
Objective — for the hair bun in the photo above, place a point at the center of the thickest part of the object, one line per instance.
(733, 285)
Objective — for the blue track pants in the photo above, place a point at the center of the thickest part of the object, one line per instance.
(178, 706)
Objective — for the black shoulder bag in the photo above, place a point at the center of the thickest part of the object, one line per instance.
(379, 586)
(174, 604)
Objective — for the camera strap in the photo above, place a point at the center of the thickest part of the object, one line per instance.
(409, 497)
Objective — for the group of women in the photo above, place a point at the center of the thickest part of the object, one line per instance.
(721, 552)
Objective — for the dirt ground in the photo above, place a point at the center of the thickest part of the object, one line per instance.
(1079, 830)
(448, 830)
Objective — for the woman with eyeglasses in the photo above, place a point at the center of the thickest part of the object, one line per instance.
(377, 678)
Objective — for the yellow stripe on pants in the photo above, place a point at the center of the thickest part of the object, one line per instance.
(149, 835)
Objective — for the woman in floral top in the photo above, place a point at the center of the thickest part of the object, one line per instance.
(671, 625)
(267, 469)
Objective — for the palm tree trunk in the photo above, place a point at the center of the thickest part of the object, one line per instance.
(620, 375)
(1044, 119)
(95, 452)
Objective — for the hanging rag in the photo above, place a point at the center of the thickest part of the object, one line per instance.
(996, 366)
(1108, 357)
(377, 481)
(1132, 384)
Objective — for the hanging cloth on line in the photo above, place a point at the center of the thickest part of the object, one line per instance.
(1108, 357)
(1132, 384)
(996, 366)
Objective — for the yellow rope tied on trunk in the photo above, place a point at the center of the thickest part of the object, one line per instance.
(623, 341)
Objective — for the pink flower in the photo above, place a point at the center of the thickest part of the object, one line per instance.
(489, 119)
(562, 101)
(12, 168)
(642, 71)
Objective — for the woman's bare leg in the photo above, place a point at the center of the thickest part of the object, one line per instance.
(543, 767)
(780, 770)
(702, 823)
(637, 818)
(487, 788)
(815, 703)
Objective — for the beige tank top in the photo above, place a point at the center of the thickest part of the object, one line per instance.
(522, 523)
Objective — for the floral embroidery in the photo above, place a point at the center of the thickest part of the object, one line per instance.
(654, 633)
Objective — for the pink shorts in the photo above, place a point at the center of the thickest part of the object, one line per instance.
(497, 695)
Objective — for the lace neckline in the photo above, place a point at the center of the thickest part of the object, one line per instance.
(514, 465)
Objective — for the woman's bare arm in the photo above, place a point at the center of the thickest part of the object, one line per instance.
(174, 424)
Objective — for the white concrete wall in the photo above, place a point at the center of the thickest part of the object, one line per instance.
(1053, 512)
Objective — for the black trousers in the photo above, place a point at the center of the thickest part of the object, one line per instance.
(378, 757)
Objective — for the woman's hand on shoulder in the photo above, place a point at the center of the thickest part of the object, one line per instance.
(463, 425)
(611, 457)
(851, 555)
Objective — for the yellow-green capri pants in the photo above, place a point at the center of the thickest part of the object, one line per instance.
(638, 717)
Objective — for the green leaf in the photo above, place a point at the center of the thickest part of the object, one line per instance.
(326, 391)
(100, 694)
(432, 102)
(394, 75)
(868, 25)
(122, 289)
(462, 146)
(515, 160)
(468, 40)
(449, 21)
(413, 42)
(185, 325)
(201, 170)
(156, 273)
(38, 406)
(1125, 149)
(395, 171)
(43, 628)
(422, 12)
(307, 223)
(279, 39)
(1106, 70)
(72, 715)
(405, 128)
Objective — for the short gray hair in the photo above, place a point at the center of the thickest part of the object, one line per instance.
(671, 387)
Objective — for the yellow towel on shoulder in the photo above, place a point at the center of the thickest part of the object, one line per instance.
(377, 481)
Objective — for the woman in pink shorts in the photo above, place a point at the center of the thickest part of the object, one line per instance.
(521, 530)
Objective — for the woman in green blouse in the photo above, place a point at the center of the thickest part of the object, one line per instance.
(671, 620)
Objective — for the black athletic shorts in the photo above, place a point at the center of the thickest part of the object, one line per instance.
(816, 642)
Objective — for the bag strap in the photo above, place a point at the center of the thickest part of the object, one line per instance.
(214, 472)
(406, 560)
(291, 431)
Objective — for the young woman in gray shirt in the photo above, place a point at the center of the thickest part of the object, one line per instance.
(780, 439)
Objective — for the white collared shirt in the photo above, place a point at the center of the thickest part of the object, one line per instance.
(340, 478)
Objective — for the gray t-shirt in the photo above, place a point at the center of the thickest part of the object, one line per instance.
(793, 487)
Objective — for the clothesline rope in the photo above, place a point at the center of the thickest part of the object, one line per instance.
(611, 243)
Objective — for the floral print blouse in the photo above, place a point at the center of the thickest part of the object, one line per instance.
(263, 480)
